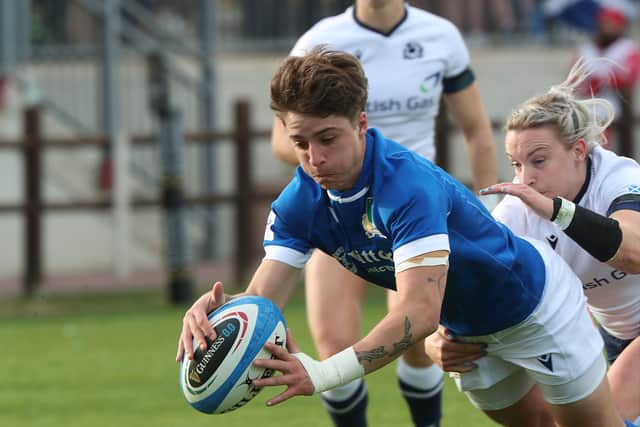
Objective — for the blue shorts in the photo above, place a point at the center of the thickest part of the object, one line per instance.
(612, 345)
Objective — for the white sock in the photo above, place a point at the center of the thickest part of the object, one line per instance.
(420, 378)
(343, 392)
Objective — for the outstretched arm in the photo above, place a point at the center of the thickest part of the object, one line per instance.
(272, 279)
(420, 291)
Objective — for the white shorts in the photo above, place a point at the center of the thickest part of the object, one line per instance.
(555, 347)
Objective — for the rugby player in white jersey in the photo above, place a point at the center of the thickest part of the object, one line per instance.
(412, 59)
(398, 221)
(584, 201)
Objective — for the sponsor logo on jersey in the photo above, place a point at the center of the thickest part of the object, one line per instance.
(430, 82)
(553, 240)
(546, 360)
(598, 282)
(371, 260)
(412, 50)
(367, 221)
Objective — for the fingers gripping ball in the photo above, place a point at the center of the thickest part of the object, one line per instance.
(220, 379)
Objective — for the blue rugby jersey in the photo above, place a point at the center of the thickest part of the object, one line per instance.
(402, 205)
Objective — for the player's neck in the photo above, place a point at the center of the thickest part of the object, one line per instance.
(382, 18)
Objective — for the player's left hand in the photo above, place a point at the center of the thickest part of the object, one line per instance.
(538, 202)
(294, 375)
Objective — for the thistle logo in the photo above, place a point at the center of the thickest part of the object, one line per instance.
(412, 50)
(430, 82)
(367, 221)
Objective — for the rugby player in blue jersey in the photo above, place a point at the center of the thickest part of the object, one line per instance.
(413, 61)
(398, 221)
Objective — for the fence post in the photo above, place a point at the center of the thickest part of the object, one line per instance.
(243, 190)
(624, 126)
(33, 202)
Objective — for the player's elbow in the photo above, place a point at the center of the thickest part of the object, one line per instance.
(627, 259)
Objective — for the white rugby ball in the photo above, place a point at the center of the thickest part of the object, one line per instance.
(220, 379)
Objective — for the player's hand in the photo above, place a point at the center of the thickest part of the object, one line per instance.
(294, 375)
(450, 355)
(539, 203)
(195, 323)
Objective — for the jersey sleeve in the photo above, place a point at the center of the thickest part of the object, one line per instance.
(417, 222)
(458, 60)
(281, 242)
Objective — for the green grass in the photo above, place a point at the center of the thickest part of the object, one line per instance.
(108, 360)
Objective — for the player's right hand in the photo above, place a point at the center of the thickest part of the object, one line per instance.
(195, 323)
(452, 355)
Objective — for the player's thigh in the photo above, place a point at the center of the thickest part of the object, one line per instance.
(624, 380)
(520, 401)
(334, 298)
(584, 401)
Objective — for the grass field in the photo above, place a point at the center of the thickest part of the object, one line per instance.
(108, 360)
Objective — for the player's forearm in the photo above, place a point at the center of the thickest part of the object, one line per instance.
(391, 337)
(482, 158)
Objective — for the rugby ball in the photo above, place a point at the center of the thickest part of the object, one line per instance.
(220, 379)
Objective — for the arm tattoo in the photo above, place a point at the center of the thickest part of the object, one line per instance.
(440, 281)
(398, 347)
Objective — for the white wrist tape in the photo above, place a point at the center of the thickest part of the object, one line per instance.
(565, 214)
(424, 262)
(337, 370)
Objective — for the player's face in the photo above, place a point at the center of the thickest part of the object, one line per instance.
(329, 149)
(542, 161)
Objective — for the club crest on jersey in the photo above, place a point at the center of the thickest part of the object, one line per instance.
(412, 50)
(367, 221)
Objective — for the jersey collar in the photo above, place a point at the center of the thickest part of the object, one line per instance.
(587, 180)
(361, 187)
(388, 33)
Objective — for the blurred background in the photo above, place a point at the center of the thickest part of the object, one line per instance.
(134, 134)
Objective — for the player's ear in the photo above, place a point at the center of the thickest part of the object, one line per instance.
(580, 150)
(362, 123)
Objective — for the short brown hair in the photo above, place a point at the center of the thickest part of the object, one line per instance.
(320, 83)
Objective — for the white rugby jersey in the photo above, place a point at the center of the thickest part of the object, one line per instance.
(613, 296)
(408, 69)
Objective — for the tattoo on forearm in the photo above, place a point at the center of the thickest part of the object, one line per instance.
(398, 347)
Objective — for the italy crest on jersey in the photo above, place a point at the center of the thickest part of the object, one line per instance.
(367, 221)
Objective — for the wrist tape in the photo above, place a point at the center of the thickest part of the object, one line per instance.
(339, 369)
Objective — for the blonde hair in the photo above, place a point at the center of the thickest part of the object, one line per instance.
(572, 117)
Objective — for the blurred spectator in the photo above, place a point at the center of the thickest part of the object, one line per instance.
(479, 18)
(614, 59)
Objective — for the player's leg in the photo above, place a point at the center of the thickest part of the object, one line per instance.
(624, 380)
(516, 401)
(420, 381)
(334, 305)
(595, 410)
